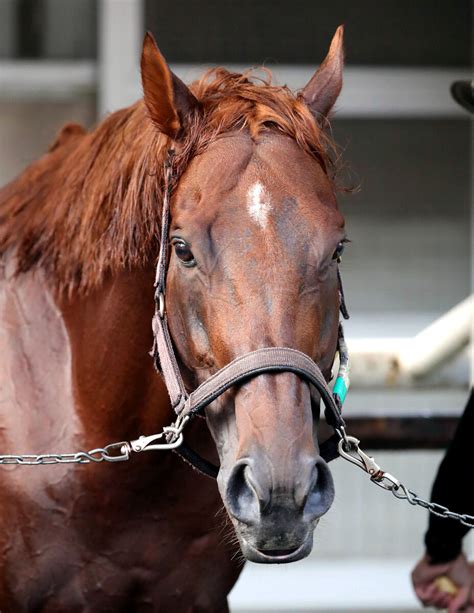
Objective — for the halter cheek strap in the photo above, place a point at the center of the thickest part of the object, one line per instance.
(262, 361)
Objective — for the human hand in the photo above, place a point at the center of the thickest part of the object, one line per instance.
(424, 577)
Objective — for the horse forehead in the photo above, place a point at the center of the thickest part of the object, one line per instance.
(227, 161)
(251, 180)
(258, 198)
(268, 204)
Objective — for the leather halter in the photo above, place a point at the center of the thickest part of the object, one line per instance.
(252, 364)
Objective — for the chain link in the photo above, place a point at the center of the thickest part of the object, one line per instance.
(115, 452)
(403, 493)
(350, 451)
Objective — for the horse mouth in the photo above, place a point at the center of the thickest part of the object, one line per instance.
(277, 556)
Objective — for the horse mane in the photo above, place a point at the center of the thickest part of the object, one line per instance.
(91, 205)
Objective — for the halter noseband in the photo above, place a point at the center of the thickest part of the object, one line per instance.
(265, 360)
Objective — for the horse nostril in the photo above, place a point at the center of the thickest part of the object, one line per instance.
(242, 496)
(321, 494)
(249, 498)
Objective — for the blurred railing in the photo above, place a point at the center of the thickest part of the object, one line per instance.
(405, 361)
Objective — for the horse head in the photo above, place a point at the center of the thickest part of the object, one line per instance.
(255, 236)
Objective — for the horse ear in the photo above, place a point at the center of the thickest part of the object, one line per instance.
(322, 91)
(169, 102)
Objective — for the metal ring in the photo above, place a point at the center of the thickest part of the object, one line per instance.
(161, 304)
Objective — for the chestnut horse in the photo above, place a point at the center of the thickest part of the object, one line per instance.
(254, 237)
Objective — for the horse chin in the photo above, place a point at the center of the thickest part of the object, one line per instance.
(277, 556)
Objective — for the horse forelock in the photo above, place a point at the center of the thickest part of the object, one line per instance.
(91, 205)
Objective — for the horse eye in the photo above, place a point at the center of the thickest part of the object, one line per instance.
(339, 251)
(184, 253)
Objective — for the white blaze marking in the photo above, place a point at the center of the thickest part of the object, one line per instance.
(258, 204)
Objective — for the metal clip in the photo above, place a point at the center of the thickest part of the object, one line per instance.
(362, 460)
(349, 444)
(173, 434)
(145, 443)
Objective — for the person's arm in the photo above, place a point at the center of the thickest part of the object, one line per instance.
(443, 540)
(453, 489)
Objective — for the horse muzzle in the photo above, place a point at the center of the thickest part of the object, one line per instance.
(274, 520)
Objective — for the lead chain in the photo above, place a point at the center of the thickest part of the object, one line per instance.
(349, 450)
(115, 452)
(403, 493)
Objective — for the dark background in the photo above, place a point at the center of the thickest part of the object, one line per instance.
(388, 32)
(380, 32)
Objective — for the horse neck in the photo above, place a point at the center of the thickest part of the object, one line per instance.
(117, 392)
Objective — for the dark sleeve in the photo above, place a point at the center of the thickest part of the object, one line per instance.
(453, 489)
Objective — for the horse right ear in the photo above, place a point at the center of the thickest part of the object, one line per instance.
(169, 102)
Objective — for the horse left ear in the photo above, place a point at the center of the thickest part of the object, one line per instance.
(321, 93)
(169, 102)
